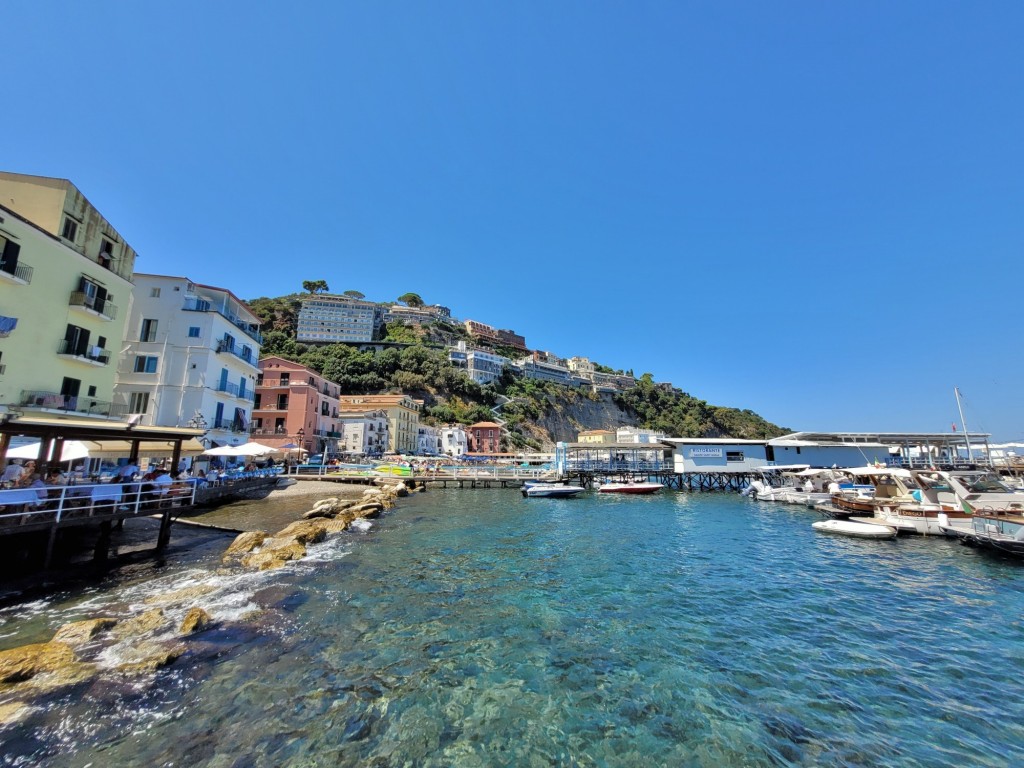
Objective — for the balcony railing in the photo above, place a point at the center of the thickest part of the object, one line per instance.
(268, 431)
(193, 304)
(92, 354)
(101, 307)
(20, 272)
(229, 424)
(232, 389)
(247, 355)
(54, 401)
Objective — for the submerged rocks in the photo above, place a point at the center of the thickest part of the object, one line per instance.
(23, 663)
(143, 624)
(149, 657)
(267, 559)
(81, 632)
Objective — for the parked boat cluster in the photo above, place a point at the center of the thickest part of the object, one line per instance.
(977, 507)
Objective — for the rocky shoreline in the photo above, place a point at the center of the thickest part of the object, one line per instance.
(151, 639)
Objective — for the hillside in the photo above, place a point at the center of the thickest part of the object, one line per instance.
(537, 414)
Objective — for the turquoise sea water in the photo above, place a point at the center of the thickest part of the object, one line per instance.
(477, 628)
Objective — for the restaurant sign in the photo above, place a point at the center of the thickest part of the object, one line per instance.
(705, 453)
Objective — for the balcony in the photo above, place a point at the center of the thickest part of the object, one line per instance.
(280, 431)
(17, 273)
(96, 307)
(232, 389)
(53, 401)
(84, 353)
(247, 356)
(231, 425)
(195, 304)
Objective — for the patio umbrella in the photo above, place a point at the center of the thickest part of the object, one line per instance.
(224, 450)
(255, 449)
(72, 451)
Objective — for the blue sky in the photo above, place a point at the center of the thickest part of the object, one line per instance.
(812, 210)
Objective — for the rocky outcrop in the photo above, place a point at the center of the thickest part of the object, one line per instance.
(243, 544)
(196, 620)
(23, 663)
(143, 624)
(80, 632)
(183, 595)
(303, 531)
(149, 657)
(267, 559)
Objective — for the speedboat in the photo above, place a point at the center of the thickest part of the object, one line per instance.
(857, 530)
(551, 491)
(630, 487)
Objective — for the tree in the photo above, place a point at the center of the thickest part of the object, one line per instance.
(315, 286)
(411, 300)
(354, 294)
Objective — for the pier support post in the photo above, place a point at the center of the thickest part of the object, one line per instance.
(99, 554)
(164, 538)
(50, 543)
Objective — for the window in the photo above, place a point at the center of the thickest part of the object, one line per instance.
(145, 364)
(148, 331)
(138, 402)
(70, 387)
(193, 332)
(154, 293)
(282, 402)
(285, 379)
(734, 455)
(92, 391)
(70, 230)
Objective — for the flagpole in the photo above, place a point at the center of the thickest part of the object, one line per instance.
(967, 435)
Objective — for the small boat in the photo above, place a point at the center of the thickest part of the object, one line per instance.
(551, 491)
(857, 530)
(630, 487)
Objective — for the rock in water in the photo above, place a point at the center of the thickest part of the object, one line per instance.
(276, 557)
(29, 660)
(244, 543)
(142, 624)
(303, 531)
(195, 620)
(81, 632)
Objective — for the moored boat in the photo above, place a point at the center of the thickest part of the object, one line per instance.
(551, 491)
(631, 487)
(854, 529)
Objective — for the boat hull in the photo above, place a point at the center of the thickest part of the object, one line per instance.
(634, 488)
(551, 491)
(854, 530)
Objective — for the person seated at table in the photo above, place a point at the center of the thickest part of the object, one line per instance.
(35, 482)
(13, 473)
(160, 485)
(128, 471)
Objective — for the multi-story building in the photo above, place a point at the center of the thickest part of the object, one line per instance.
(485, 437)
(583, 369)
(481, 331)
(65, 287)
(403, 418)
(581, 366)
(511, 339)
(428, 440)
(190, 358)
(481, 366)
(364, 430)
(417, 315)
(544, 366)
(330, 319)
(453, 440)
(638, 435)
(295, 404)
(596, 436)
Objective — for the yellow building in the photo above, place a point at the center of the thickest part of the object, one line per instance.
(403, 418)
(65, 287)
(597, 436)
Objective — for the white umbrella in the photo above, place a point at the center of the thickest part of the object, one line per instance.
(224, 450)
(73, 450)
(255, 449)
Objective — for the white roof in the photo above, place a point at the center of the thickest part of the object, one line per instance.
(710, 441)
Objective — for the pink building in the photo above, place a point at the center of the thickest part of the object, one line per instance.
(295, 404)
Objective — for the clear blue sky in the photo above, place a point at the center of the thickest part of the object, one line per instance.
(814, 210)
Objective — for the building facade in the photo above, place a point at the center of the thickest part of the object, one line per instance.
(428, 440)
(543, 366)
(294, 404)
(638, 435)
(417, 315)
(330, 319)
(190, 358)
(364, 430)
(596, 436)
(481, 366)
(403, 418)
(485, 437)
(65, 289)
(453, 440)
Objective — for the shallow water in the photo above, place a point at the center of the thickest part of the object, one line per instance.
(479, 628)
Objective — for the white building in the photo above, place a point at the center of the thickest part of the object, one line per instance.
(428, 440)
(638, 435)
(189, 358)
(329, 319)
(482, 367)
(706, 454)
(454, 441)
(364, 430)
(544, 367)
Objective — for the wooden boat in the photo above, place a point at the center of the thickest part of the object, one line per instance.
(856, 530)
(630, 487)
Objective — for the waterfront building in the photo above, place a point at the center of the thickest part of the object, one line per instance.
(718, 455)
(364, 430)
(294, 404)
(485, 437)
(638, 435)
(596, 436)
(403, 418)
(428, 440)
(190, 358)
(326, 319)
(65, 287)
(453, 440)
(481, 366)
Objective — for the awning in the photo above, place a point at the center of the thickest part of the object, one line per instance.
(72, 451)
(163, 449)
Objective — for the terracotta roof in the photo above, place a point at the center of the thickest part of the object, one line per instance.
(484, 424)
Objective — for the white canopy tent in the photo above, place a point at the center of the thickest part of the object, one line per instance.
(73, 450)
(248, 450)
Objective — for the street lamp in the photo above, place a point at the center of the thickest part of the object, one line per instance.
(302, 435)
(198, 422)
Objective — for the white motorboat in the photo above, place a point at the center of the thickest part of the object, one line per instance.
(776, 482)
(857, 530)
(551, 491)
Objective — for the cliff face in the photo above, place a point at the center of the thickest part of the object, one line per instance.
(563, 420)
